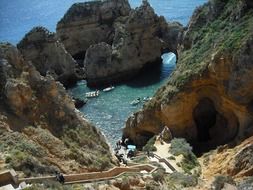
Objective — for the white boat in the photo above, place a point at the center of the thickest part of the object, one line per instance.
(145, 99)
(108, 89)
(92, 94)
(135, 102)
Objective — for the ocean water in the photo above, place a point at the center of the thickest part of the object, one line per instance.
(111, 109)
(17, 17)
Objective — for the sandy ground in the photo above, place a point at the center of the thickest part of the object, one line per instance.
(163, 152)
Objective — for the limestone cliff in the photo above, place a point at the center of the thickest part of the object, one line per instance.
(208, 98)
(229, 161)
(89, 23)
(139, 40)
(131, 40)
(41, 131)
(48, 55)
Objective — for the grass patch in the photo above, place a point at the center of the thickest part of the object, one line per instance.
(85, 149)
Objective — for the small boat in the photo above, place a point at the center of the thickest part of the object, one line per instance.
(108, 89)
(92, 94)
(145, 99)
(135, 102)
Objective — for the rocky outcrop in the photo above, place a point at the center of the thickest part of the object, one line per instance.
(236, 162)
(40, 124)
(89, 23)
(49, 56)
(139, 40)
(208, 98)
(131, 40)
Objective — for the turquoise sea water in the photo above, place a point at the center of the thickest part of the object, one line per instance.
(17, 17)
(110, 110)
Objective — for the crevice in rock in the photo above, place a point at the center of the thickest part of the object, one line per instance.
(79, 58)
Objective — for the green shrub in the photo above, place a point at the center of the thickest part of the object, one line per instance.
(171, 158)
(8, 159)
(221, 180)
(246, 183)
(152, 185)
(180, 146)
(189, 161)
(150, 145)
(181, 180)
(159, 174)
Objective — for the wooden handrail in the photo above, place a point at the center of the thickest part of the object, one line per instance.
(164, 160)
(94, 176)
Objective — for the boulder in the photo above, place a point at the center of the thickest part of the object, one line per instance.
(79, 103)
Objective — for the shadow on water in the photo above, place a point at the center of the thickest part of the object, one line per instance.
(154, 73)
(110, 110)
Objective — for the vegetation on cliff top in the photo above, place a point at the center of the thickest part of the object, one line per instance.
(189, 161)
(218, 27)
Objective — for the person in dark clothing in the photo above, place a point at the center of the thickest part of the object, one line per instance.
(130, 154)
(62, 179)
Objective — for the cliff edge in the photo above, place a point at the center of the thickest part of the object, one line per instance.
(41, 131)
(208, 98)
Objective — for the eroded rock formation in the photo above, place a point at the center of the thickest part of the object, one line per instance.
(41, 131)
(227, 161)
(132, 38)
(208, 98)
(89, 23)
(48, 55)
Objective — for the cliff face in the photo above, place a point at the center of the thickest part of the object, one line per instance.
(208, 98)
(41, 131)
(129, 39)
(229, 161)
(89, 23)
(48, 55)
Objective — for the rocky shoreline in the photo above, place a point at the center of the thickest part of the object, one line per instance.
(207, 100)
(128, 39)
(34, 76)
